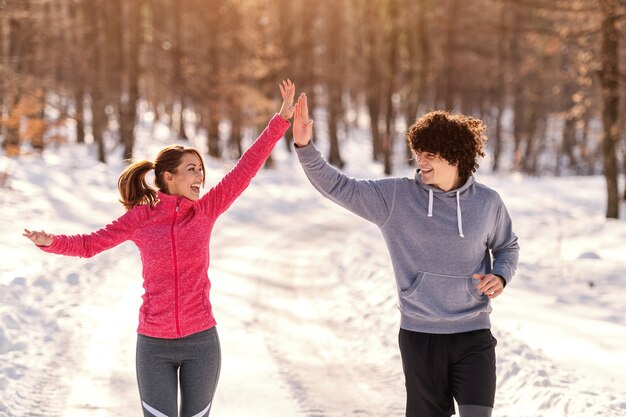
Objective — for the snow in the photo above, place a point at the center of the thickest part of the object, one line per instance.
(304, 297)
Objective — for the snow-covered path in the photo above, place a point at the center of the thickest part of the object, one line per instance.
(305, 303)
(335, 361)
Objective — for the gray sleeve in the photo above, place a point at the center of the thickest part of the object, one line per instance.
(504, 246)
(370, 199)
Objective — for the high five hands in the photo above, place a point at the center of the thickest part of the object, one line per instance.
(302, 124)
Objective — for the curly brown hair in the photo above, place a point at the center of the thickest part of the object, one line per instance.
(456, 138)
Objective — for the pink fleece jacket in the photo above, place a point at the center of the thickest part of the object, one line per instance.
(173, 240)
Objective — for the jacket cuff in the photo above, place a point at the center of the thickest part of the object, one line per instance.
(280, 122)
(307, 153)
(49, 248)
(503, 279)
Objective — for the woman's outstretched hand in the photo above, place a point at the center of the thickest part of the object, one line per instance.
(302, 124)
(38, 238)
(288, 91)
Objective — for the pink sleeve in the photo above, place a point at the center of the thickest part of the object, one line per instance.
(88, 245)
(220, 197)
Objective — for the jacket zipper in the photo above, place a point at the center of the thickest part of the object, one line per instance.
(175, 259)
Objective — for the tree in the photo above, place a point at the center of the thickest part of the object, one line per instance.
(609, 79)
(390, 89)
(335, 74)
(130, 81)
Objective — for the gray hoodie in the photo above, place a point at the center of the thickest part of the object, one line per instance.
(436, 241)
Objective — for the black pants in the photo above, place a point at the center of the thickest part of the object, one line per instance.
(440, 367)
(194, 360)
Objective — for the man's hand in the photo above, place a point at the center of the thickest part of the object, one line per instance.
(302, 125)
(491, 285)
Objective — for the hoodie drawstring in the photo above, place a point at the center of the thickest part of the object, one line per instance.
(459, 218)
(430, 203)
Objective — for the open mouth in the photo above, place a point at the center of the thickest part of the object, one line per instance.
(195, 188)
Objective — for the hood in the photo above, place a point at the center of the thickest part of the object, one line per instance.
(445, 194)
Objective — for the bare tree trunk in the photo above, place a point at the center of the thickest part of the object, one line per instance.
(500, 90)
(79, 99)
(285, 31)
(391, 66)
(19, 36)
(213, 134)
(178, 123)
(5, 71)
(76, 73)
(113, 62)
(4, 52)
(568, 144)
(624, 162)
(518, 89)
(334, 78)
(621, 126)
(98, 123)
(497, 138)
(11, 141)
(450, 53)
(587, 155)
(374, 78)
(418, 47)
(236, 147)
(610, 99)
(309, 13)
(334, 116)
(94, 37)
(530, 153)
(128, 106)
(374, 107)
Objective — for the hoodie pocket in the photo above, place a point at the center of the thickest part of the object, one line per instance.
(434, 296)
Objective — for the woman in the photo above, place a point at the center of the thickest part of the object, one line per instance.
(177, 341)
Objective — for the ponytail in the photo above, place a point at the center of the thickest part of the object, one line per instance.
(134, 190)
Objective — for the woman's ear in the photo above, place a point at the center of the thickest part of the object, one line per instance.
(167, 176)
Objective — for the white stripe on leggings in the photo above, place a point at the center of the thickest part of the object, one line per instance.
(203, 412)
(154, 411)
(157, 413)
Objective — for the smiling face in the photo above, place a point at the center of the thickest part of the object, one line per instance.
(187, 178)
(438, 172)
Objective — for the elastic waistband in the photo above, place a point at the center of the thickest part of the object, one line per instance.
(457, 325)
(201, 336)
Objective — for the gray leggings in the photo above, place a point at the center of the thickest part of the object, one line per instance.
(194, 359)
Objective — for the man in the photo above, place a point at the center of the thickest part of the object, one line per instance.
(452, 249)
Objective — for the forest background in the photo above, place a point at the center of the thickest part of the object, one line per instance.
(547, 76)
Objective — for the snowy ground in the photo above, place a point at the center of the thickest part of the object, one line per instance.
(304, 299)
